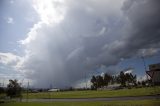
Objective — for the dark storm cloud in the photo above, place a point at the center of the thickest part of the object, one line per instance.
(144, 31)
(89, 37)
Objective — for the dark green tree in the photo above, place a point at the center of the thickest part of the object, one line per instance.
(143, 83)
(130, 78)
(100, 82)
(94, 82)
(14, 89)
(134, 79)
(122, 79)
(107, 79)
(1, 90)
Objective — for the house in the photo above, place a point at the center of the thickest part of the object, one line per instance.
(154, 73)
(34, 91)
(54, 90)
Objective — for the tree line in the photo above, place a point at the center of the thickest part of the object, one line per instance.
(13, 89)
(124, 79)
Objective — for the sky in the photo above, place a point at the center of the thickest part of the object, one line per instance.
(63, 42)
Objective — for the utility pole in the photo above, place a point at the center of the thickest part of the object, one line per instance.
(86, 80)
(50, 92)
(27, 90)
(3, 83)
(144, 63)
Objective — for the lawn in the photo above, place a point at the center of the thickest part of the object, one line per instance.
(115, 103)
(93, 94)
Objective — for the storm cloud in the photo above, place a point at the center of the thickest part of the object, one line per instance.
(75, 38)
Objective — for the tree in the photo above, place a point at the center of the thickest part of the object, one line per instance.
(107, 79)
(94, 82)
(14, 89)
(130, 79)
(1, 90)
(134, 79)
(122, 79)
(100, 81)
(143, 83)
(97, 82)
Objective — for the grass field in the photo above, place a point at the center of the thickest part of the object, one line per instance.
(93, 94)
(115, 103)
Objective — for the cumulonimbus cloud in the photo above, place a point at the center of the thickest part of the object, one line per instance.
(89, 34)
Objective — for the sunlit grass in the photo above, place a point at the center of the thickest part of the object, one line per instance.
(93, 94)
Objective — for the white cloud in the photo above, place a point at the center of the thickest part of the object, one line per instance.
(84, 84)
(50, 11)
(32, 34)
(143, 78)
(128, 71)
(10, 65)
(10, 20)
(9, 59)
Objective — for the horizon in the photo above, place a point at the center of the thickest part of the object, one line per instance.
(63, 43)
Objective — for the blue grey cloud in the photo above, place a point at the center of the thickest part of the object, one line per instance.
(91, 34)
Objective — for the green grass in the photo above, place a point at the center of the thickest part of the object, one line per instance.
(93, 94)
(115, 103)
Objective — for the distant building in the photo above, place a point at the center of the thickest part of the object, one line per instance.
(34, 91)
(54, 90)
(154, 73)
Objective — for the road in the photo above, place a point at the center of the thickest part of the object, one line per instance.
(94, 99)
